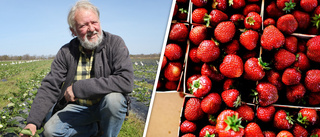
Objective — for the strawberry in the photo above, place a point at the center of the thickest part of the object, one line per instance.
(171, 85)
(229, 84)
(295, 93)
(253, 130)
(199, 15)
(193, 55)
(188, 127)
(229, 124)
(249, 54)
(232, 66)
(237, 19)
(182, 14)
(269, 21)
(287, 24)
(198, 34)
(251, 8)
(283, 59)
(199, 3)
(172, 71)
(291, 76)
(274, 78)
(245, 112)
(219, 4)
(249, 39)
(176, 8)
(237, 4)
(303, 19)
(291, 44)
(211, 103)
(188, 135)
(231, 98)
(164, 62)
(312, 80)
(232, 47)
(302, 46)
(299, 131)
(178, 32)
(208, 51)
(212, 119)
(182, 1)
(307, 116)
(283, 120)
(315, 132)
(173, 52)
(269, 133)
(313, 49)
(216, 16)
(265, 114)
(273, 10)
(208, 131)
(199, 85)
(308, 5)
(211, 71)
(225, 31)
(314, 98)
(272, 38)
(254, 69)
(284, 133)
(253, 21)
(267, 93)
(192, 110)
(286, 5)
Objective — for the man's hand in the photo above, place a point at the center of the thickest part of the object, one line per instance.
(32, 127)
(68, 95)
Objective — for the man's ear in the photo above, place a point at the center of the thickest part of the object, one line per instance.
(73, 32)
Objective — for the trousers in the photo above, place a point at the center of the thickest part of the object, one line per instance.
(82, 121)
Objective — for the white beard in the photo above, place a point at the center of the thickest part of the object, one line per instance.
(91, 45)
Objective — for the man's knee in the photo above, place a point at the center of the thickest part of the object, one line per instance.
(114, 102)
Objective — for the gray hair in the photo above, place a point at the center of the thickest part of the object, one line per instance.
(82, 4)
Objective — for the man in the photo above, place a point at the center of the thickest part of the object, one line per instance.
(90, 79)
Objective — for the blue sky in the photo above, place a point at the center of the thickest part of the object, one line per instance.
(40, 27)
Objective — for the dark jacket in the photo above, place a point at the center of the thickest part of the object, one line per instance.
(113, 73)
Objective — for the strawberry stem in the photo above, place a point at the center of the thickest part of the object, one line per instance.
(233, 122)
(263, 64)
(316, 20)
(206, 19)
(250, 21)
(289, 6)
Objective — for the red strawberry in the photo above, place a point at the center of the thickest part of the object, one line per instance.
(313, 49)
(273, 11)
(217, 16)
(253, 21)
(192, 110)
(302, 46)
(249, 54)
(188, 135)
(269, 21)
(229, 84)
(172, 71)
(198, 34)
(254, 69)
(199, 86)
(253, 130)
(302, 18)
(274, 78)
(237, 4)
(312, 80)
(211, 103)
(245, 112)
(299, 131)
(232, 66)
(272, 38)
(178, 32)
(188, 127)
(208, 51)
(287, 24)
(231, 98)
(219, 4)
(267, 93)
(173, 52)
(249, 39)
(295, 93)
(291, 76)
(308, 5)
(212, 119)
(291, 44)
(237, 19)
(265, 114)
(251, 8)
(193, 55)
(182, 14)
(211, 71)
(283, 59)
(225, 31)
(199, 15)
(199, 3)
(269, 133)
(286, 5)
(315, 132)
(229, 124)
(307, 116)
(314, 98)
(171, 85)
(176, 8)
(284, 133)
(282, 120)
(232, 48)
(164, 62)
(208, 131)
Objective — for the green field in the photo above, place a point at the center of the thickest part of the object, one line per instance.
(19, 81)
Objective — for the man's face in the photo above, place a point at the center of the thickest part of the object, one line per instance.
(87, 26)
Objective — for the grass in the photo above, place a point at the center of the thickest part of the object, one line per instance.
(132, 126)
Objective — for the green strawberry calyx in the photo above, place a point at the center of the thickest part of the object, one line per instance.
(254, 94)
(303, 120)
(230, 2)
(237, 103)
(206, 19)
(289, 6)
(182, 10)
(316, 20)
(233, 122)
(289, 118)
(264, 64)
(250, 21)
(194, 86)
(209, 135)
